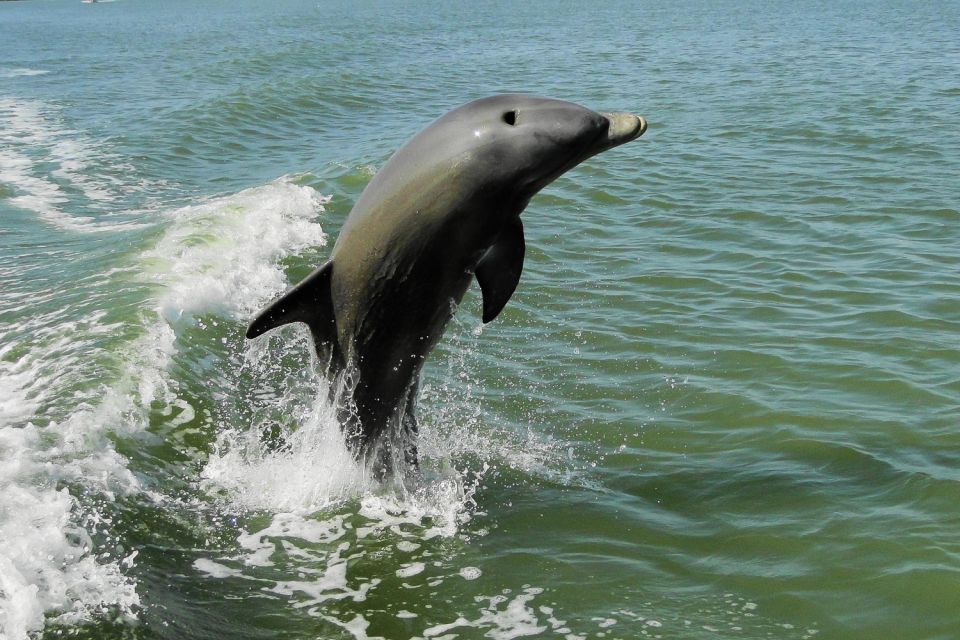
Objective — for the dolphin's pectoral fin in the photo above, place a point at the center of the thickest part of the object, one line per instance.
(498, 271)
(308, 302)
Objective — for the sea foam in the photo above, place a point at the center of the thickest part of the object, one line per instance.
(54, 170)
(21, 72)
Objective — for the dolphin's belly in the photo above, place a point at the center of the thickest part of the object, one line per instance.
(404, 316)
(393, 299)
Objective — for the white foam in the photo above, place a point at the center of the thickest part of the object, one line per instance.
(328, 583)
(222, 256)
(19, 72)
(356, 627)
(44, 161)
(47, 561)
(39, 355)
(515, 620)
(38, 194)
(215, 569)
(17, 377)
(411, 569)
(470, 573)
(313, 471)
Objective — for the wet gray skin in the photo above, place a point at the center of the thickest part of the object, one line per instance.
(443, 210)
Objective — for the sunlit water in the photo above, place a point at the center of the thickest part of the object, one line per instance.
(723, 402)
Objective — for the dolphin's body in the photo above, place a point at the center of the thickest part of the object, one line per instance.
(444, 209)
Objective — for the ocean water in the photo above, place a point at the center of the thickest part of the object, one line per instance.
(723, 402)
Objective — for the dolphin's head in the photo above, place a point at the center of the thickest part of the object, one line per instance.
(521, 143)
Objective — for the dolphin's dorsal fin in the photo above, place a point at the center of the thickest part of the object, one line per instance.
(308, 302)
(498, 271)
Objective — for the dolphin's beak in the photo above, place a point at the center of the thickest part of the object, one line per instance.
(623, 128)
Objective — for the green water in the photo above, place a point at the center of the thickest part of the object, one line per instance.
(723, 402)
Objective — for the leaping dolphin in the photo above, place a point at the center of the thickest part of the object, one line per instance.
(444, 209)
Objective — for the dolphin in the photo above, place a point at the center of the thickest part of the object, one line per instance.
(443, 210)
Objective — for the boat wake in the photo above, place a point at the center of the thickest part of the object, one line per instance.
(71, 391)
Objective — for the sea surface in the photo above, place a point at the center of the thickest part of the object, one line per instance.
(724, 401)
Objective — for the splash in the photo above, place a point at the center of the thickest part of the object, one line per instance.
(311, 471)
(323, 534)
(291, 456)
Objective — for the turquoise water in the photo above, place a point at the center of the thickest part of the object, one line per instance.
(723, 402)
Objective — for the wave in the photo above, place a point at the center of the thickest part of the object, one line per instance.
(60, 563)
(54, 171)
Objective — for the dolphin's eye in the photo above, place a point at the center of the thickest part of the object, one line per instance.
(510, 117)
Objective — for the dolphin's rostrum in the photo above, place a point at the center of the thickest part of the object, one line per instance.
(444, 209)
